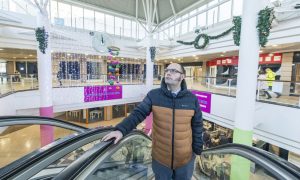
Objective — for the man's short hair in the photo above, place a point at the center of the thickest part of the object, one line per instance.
(182, 69)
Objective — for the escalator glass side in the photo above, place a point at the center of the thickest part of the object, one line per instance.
(16, 141)
(130, 159)
(229, 166)
(57, 154)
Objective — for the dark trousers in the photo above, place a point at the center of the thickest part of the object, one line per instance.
(165, 173)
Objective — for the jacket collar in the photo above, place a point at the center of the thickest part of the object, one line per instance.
(181, 93)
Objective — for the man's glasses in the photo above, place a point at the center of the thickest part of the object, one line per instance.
(173, 71)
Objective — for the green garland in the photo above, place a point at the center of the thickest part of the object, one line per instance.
(266, 16)
(42, 37)
(237, 21)
(265, 19)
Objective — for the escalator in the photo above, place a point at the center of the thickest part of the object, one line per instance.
(84, 156)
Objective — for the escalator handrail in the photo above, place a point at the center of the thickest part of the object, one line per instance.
(33, 120)
(283, 164)
(76, 167)
(15, 168)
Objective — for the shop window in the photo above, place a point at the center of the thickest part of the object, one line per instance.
(75, 115)
(96, 114)
(118, 111)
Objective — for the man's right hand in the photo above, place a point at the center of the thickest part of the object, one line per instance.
(114, 134)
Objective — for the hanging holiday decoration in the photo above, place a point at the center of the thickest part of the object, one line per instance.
(265, 19)
(114, 65)
(42, 37)
(237, 21)
(114, 51)
(152, 53)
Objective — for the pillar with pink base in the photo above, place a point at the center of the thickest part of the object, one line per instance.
(45, 73)
(148, 124)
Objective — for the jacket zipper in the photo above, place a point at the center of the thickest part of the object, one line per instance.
(173, 126)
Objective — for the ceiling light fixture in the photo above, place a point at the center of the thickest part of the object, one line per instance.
(222, 55)
(274, 45)
(260, 51)
(1, 49)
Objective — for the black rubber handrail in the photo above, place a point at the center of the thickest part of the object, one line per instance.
(28, 120)
(287, 166)
(75, 168)
(15, 168)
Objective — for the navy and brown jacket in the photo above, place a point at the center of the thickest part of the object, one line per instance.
(177, 124)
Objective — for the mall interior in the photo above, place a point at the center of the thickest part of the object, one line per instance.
(70, 70)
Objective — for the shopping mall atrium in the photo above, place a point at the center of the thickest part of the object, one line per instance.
(72, 70)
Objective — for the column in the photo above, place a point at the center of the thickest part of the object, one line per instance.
(45, 82)
(286, 72)
(149, 67)
(246, 86)
(204, 70)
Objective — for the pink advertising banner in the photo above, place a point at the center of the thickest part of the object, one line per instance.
(102, 93)
(204, 100)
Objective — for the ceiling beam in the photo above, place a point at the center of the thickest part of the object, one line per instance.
(154, 11)
(145, 11)
(172, 6)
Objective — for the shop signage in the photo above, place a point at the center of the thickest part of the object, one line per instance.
(102, 93)
(275, 58)
(204, 100)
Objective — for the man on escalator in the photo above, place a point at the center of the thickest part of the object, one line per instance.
(177, 126)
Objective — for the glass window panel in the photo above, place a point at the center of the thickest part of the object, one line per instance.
(109, 26)
(225, 11)
(212, 16)
(202, 8)
(177, 30)
(127, 28)
(155, 36)
(237, 7)
(160, 35)
(184, 28)
(64, 14)
(99, 21)
(192, 23)
(171, 31)
(118, 26)
(202, 19)
(2, 67)
(89, 19)
(134, 34)
(193, 12)
(142, 32)
(21, 7)
(77, 17)
(213, 3)
(54, 11)
(172, 22)
(185, 16)
(166, 34)
(4, 5)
